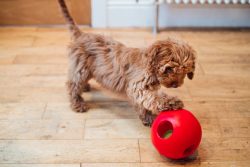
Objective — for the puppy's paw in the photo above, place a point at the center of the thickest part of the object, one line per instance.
(148, 119)
(169, 103)
(175, 103)
(79, 107)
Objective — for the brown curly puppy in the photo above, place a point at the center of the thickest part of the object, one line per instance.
(135, 72)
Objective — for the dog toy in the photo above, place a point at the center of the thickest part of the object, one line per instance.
(176, 134)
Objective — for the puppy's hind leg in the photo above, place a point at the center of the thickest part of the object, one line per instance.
(77, 83)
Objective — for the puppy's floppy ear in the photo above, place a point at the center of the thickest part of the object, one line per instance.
(190, 75)
(151, 53)
(157, 51)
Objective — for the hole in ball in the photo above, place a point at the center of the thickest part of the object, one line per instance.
(188, 150)
(165, 130)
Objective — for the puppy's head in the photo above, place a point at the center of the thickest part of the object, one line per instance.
(171, 61)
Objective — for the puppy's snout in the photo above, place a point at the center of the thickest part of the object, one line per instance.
(174, 84)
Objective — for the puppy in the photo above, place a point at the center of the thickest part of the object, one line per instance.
(134, 72)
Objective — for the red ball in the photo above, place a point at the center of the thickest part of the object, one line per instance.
(176, 134)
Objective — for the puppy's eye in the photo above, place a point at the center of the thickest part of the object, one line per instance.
(168, 70)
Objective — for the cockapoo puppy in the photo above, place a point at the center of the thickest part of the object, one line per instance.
(134, 72)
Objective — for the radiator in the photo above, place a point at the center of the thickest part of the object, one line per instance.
(171, 13)
(205, 1)
(150, 2)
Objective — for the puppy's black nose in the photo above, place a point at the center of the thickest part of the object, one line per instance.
(174, 84)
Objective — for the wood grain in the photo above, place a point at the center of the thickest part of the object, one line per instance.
(41, 129)
(68, 151)
(211, 149)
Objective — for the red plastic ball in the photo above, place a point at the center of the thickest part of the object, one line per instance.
(176, 134)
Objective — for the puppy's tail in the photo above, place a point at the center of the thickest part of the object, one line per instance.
(76, 32)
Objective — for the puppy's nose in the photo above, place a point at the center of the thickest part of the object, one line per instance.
(174, 84)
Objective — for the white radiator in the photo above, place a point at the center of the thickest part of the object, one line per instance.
(172, 13)
(207, 1)
(148, 2)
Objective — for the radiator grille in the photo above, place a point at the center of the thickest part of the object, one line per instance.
(205, 1)
(150, 2)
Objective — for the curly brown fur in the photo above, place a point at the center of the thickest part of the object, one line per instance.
(134, 72)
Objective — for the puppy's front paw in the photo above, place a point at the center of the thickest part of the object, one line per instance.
(170, 103)
(163, 105)
(175, 103)
(147, 119)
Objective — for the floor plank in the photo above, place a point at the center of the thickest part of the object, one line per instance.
(33, 70)
(219, 109)
(203, 164)
(235, 69)
(98, 110)
(68, 151)
(222, 88)
(211, 149)
(115, 128)
(110, 165)
(32, 81)
(40, 165)
(235, 128)
(41, 129)
(21, 111)
(33, 95)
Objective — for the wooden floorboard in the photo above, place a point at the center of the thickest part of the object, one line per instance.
(69, 151)
(38, 128)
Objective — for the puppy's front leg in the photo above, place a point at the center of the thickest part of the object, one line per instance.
(154, 101)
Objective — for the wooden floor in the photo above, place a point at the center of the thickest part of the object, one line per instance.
(38, 129)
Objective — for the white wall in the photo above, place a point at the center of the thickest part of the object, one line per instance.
(122, 13)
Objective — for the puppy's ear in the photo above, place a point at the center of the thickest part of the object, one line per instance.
(157, 51)
(190, 75)
(151, 53)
